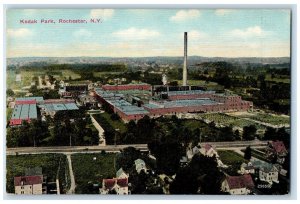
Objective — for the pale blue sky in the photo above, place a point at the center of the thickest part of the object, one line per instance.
(159, 32)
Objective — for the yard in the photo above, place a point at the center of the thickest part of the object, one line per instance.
(53, 166)
(231, 159)
(90, 169)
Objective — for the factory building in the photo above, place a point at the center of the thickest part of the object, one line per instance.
(52, 106)
(125, 87)
(25, 109)
(116, 102)
(176, 102)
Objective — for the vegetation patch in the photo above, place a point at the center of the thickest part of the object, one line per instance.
(90, 169)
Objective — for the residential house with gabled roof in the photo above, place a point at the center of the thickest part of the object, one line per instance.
(140, 165)
(121, 174)
(29, 185)
(269, 173)
(115, 185)
(276, 149)
(208, 150)
(238, 185)
(247, 168)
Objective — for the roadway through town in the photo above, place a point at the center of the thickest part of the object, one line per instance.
(118, 148)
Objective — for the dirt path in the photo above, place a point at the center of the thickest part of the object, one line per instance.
(73, 185)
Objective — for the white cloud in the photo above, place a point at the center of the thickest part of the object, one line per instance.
(222, 12)
(136, 34)
(183, 15)
(82, 33)
(19, 33)
(255, 31)
(102, 13)
(197, 35)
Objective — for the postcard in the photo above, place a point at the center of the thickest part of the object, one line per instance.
(148, 101)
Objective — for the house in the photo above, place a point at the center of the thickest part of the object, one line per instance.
(121, 174)
(87, 100)
(29, 185)
(208, 150)
(165, 181)
(191, 152)
(276, 149)
(238, 185)
(115, 185)
(140, 165)
(247, 168)
(269, 173)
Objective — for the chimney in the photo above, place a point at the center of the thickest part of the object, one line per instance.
(184, 73)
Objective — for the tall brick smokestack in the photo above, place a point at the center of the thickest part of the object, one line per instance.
(184, 73)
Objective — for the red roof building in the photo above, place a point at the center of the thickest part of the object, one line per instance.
(120, 186)
(29, 185)
(238, 185)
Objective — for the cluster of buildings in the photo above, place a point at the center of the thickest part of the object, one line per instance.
(171, 102)
(29, 108)
(119, 184)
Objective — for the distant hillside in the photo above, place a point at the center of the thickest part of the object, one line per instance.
(40, 61)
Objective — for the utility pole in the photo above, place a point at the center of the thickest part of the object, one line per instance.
(70, 140)
(116, 130)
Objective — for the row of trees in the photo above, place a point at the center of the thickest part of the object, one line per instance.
(66, 128)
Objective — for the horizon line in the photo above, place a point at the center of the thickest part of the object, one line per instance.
(143, 57)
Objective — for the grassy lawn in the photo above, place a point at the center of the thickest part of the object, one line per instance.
(116, 124)
(193, 124)
(89, 171)
(8, 113)
(50, 164)
(284, 79)
(101, 74)
(226, 120)
(232, 159)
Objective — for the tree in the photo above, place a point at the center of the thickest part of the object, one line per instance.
(115, 116)
(200, 176)
(126, 158)
(248, 153)
(249, 132)
(9, 92)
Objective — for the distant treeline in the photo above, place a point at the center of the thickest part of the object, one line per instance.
(75, 67)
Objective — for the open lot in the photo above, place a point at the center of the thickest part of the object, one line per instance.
(90, 169)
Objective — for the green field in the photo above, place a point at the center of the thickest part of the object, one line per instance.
(101, 74)
(50, 164)
(283, 79)
(88, 171)
(271, 119)
(116, 124)
(226, 120)
(8, 113)
(231, 159)
(27, 76)
(199, 83)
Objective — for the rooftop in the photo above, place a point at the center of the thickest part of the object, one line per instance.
(60, 106)
(179, 103)
(236, 182)
(190, 92)
(37, 99)
(28, 180)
